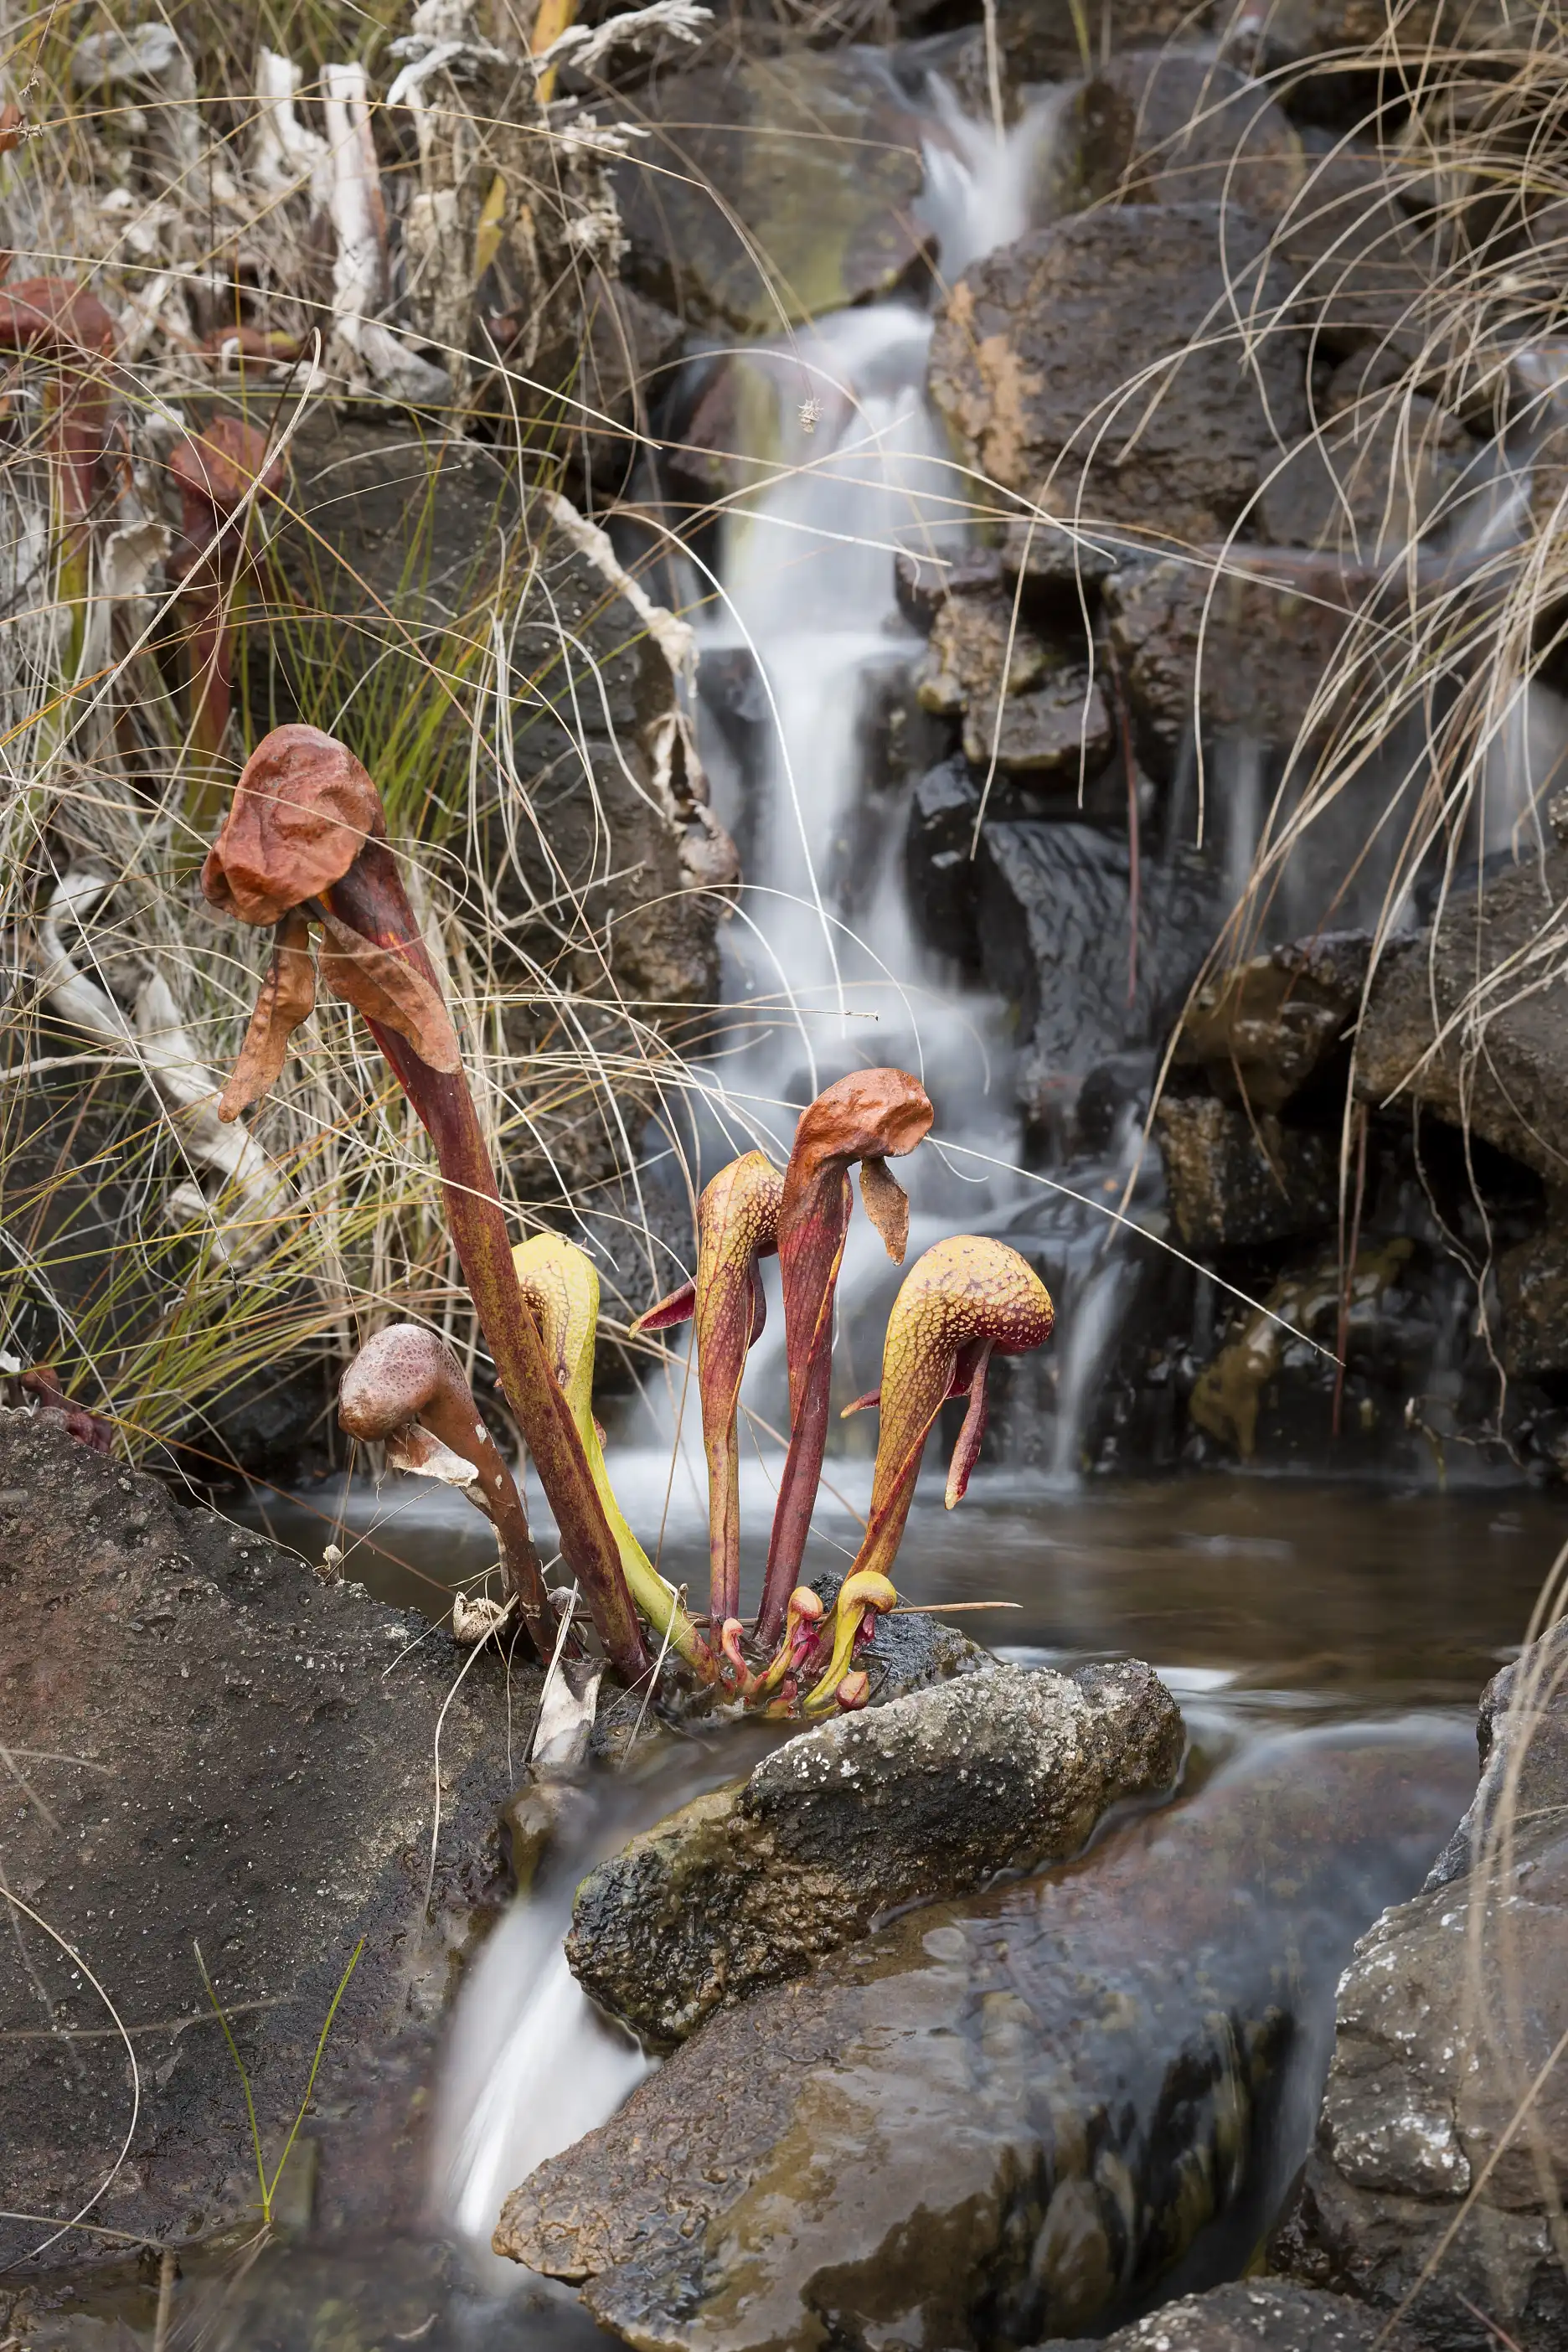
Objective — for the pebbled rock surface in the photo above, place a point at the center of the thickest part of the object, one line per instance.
(927, 1797)
(1037, 344)
(1256, 2315)
(1449, 2012)
(210, 1746)
(1006, 2118)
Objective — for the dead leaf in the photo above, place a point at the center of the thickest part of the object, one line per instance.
(287, 997)
(887, 1205)
(303, 809)
(384, 987)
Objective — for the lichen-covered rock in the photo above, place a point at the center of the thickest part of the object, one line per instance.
(780, 188)
(1441, 2138)
(926, 1798)
(211, 1747)
(1237, 1179)
(1097, 368)
(1005, 2118)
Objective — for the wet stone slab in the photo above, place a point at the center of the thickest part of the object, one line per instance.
(1003, 2119)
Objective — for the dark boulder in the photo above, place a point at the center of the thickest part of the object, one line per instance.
(1003, 2118)
(1096, 369)
(1369, 480)
(1054, 914)
(926, 1798)
(1167, 126)
(1533, 1289)
(1236, 1179)
(210, 1746)
(1470, 1019)
(1189, 642)
(1363, 273)
(1435, 2182)
(939, 862)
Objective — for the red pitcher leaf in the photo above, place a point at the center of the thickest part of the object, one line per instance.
(966, 1453)
(887, 1205)
(869, 1115)
(670, 1313)
(303, 810)
(737, 1223)
(384, 987)
(287, 997)
(216, 471)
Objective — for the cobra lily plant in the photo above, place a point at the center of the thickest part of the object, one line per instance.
(303, 851)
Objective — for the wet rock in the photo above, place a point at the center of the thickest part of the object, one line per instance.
(978, 643)
(1260, 1030)
(1328, 53)
(1447, 2018)
(215, 1748)
(1362, 271)
(1256, 2315)
(1369, 481)
(1236, 1180)
(926, 1798)
(1532, 1284)
(807, 159)
(1269, 1392)
(1060, 728)
(1164, 126)
(1037, 345)
(1504, 1074)
(939, 862)
(997, 2120)
(1044, 41)
(1189, 647)
(1052, 914)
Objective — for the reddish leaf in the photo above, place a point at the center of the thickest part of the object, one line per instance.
(670, 1313)
(287, 997)
(384, 987)
(887, 1205)
(303, 809)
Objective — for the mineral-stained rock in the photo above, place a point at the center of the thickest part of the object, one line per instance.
(993, 2121)
(210, 1746)
(1052, 914)
(1060, 728)
(925, 1798)
(977, 641)
(1504, 1067)
(1256, 2315)
(1440, 2091)
(1096, 368)
(1190, 645)
(1165, 126)
(1259, 1030)
(804, 167)
(1236, 1180)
